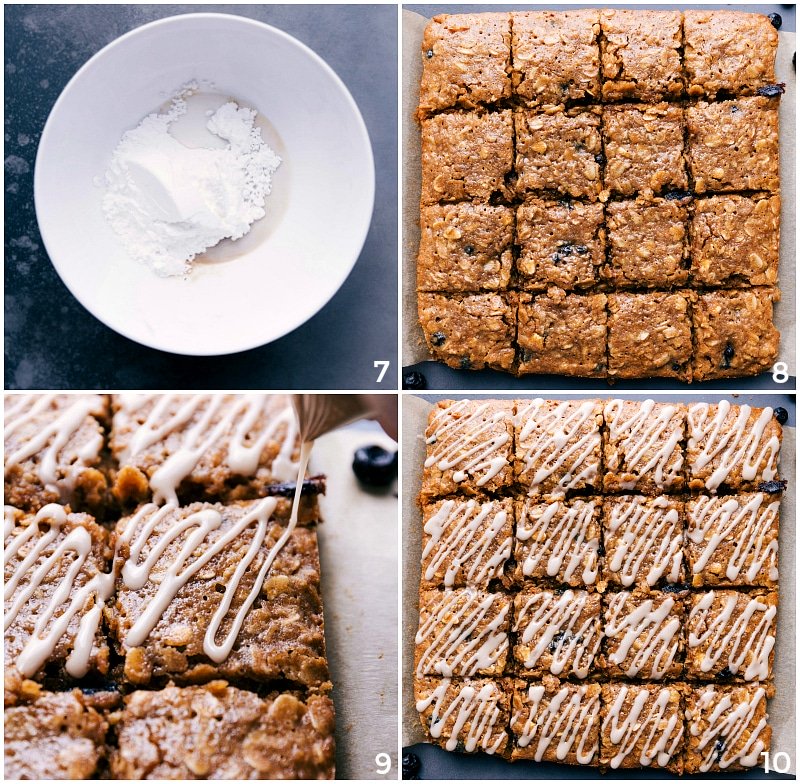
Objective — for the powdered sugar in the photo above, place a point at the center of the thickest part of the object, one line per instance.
(169, 202)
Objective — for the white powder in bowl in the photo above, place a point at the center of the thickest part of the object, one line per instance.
(168, 202)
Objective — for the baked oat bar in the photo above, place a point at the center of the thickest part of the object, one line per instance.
(726, 728)
(734, 333)
(53, 448)
(643, 635)
(731, 447)
(466, 156)
(558, 542)
(466, 541)
(465, 247)
(468, 715)
(54, 736)
(57, 579)
(554, 721)
(562, 333)
(557, 446)
(470, 331)
(209, 590)
(558, 152)
(466, 61)
(561, 243)
(644, 149)
(462, 632)
(556, 632)
(641, 55)
(734, 240)
(555, 56)
(647, 245)
(650, 335)
(643, 541)
(216, 731)
(470, 447)
(729, 52)
(733, 540)
(202, 447)
(642, 727)
(643, 446)
(731, 634)
(733, 145)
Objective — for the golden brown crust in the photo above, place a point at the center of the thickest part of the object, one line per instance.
(556, 56)
(562, 333)
(472, 331)
(465, 247)
(556, 151)
(734, 333)
(560, 244)
(641, 55)
(644, 149)
(733, 145)
(466, 61)
(647, 244)
(735, 240)
(220, 732)
(465, 156)
(55, 736)
(650, 335)
(728, 52)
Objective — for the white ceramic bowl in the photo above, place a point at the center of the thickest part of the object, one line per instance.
(322, 195)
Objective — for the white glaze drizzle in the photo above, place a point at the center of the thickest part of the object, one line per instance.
(715, 521)
(742, 740)
(566, 719)
(648, 634)
(193, 418)
(644, 527)
(467, 442)
(458, 638)
(650, 722)
(748, 634)
(735, 446)
(477, 707)
(461, 535)
(546, 435)
(561, 539)
(197, 527)
(559, 616)
(647, 427)
(66, 602)
(57, 467)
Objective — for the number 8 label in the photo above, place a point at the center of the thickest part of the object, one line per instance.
(780, 372)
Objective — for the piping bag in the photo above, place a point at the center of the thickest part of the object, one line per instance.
(320, 413)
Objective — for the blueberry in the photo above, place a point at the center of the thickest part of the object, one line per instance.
(775, 486)
(771, 90)
(719, 748)
(438, 338)
(781, 414)
(558, 639)
(414, 380)
(676, 366)
(374, 465)
(677, 195)
(724, 674)
(727, 355)
(469, 250)
(776, 20)
(429, 53)
(411, 765)
(465, 363)
(675, 588)
(600, 159)
(526, 355)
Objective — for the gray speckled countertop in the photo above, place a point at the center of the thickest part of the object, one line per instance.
(52, 342)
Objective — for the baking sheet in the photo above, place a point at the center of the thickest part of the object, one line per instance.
(449, 765)
(358, 555)
(414, 349)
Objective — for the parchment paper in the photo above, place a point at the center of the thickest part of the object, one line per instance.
(414, 349)
(781, 707)
(358, 554)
